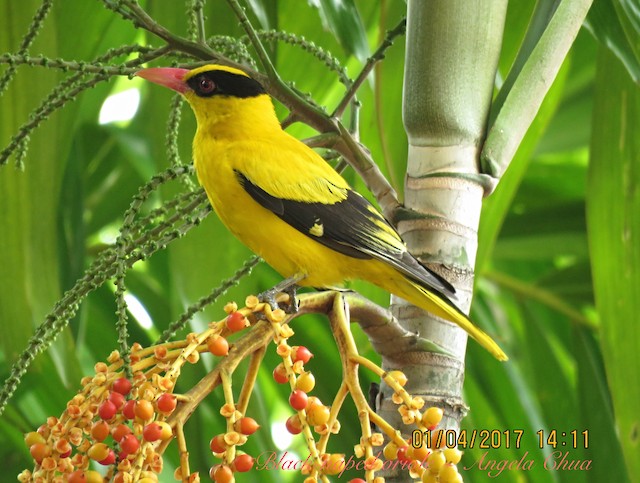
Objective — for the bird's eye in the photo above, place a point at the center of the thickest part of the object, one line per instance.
(206, 85)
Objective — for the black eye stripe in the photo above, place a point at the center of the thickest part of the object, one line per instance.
(225, 84)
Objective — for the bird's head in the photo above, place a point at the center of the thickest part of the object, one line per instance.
(216, 93)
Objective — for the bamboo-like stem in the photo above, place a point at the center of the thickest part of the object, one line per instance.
(531, 85)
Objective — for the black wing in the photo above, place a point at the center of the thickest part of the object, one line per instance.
(353, 227)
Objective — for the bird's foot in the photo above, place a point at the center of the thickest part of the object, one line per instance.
(284, 299)
(282, 295)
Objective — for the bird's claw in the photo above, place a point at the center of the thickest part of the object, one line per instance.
(288, 304)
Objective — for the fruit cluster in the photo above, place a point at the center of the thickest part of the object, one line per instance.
(126, 423)
(115, 421)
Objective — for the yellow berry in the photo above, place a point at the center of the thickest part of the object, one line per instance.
(452, 455)
(429, 477)
(432, 417)
(448, 473)
(305, 382)
(318, 415)
(398, 376)
(98, 452)
(390, 451)
(33, 437)
(435, 461)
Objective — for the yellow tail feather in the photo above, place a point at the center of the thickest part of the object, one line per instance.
(430, 302)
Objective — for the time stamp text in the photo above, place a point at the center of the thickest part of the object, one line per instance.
(494, 439)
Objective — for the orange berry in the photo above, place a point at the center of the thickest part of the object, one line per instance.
(221, 473)
(77, 476)
(313, 401)
(438, 439)
(421, 453)
(143, 409)
(243, 462)
(120, 431)
(218, 345)
(246, 426)
(217, 444)
(39, 451)
(100, 431)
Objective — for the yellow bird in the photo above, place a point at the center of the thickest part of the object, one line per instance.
(288, 205)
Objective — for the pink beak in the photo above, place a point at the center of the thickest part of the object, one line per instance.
(166, 76)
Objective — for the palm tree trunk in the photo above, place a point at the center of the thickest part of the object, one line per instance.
(451, 60)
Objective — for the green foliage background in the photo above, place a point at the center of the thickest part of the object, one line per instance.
(557, 274)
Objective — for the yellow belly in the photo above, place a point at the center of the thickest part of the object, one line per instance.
(287, 250)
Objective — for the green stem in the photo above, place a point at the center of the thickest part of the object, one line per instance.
(531, 86)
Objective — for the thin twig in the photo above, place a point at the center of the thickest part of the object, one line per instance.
(377, 56)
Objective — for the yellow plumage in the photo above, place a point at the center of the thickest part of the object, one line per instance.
(288, 205)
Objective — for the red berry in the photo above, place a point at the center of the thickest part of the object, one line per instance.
(122, 386)
(293, 424)
(357, 480)
(129, 444)
(166, 403)
(109, 460)
(152, 432)
(217, 444)
(117, 399)
(280, 374)
(243, 462)
(402, 454)
(246, 426)
(107, 410)
(128, 409)
(301, 353)
(236, 321)
(298, 400)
